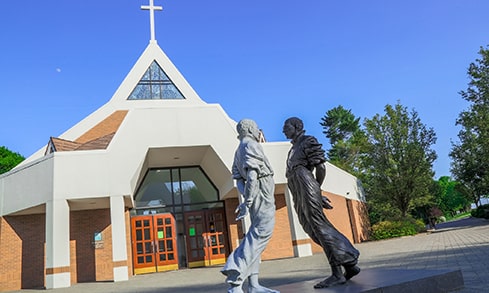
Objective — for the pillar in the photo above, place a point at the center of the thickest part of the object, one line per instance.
(300, 240)
(119, 243)
(57, 244)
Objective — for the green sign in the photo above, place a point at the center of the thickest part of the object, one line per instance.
(161, 234)
(191, 231)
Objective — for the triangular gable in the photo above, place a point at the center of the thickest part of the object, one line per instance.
(155, 68)
(155, 85)
(60, 145)
(87, 129)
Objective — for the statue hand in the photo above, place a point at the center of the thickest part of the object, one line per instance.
(242, 211)
(326, 203)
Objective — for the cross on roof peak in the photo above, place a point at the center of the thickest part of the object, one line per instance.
(151, 7)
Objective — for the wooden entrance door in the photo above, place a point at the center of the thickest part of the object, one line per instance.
(206, 237)
(154, 244)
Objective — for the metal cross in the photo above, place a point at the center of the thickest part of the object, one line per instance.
(152, 9)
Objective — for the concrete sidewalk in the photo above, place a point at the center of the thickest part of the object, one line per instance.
(462, 244)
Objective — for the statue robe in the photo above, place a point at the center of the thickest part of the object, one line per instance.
(245, 259)
(305, 154)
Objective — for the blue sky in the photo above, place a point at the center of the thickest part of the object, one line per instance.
(265, 60)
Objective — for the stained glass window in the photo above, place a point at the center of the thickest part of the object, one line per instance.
(155, 84)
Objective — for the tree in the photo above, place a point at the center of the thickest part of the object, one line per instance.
(451, 196)
(398, 165)
(346, 138)
(8, 159)
(339, 124)
(470, 156)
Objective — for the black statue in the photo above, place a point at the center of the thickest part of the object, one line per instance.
(306, 156)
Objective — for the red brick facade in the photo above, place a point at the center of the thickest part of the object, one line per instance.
(92, 261)
(349, 217)
(22, 249)
(280, 246)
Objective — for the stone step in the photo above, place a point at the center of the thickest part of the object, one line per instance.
(387, 281)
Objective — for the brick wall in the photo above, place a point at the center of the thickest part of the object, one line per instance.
(10, 258)
(235, 231)
(280, 246)
(128, 244)
(73, 264)
(338, 216)
(93, 263)
(22, 252)
(361, 220)
(22, 249)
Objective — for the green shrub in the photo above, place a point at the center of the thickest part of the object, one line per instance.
(481, 212)
(398, 228)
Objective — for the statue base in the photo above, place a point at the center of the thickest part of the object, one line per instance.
(388, 281)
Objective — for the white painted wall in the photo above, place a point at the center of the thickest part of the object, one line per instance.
(27, 187)
(342, 183)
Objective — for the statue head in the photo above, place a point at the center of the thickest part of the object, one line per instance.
(248, 127)
(293, 127)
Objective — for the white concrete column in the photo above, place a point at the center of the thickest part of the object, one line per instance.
(58, 244)
(300, 240)
(119, 246)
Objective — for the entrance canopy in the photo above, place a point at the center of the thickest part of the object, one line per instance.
(202, 156)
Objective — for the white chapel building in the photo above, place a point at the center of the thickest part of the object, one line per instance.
(143, 185)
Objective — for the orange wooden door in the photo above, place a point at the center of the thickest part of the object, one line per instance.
(154, 245)
(165, 236)
(143, 244)
(206, 238)
(215, 252)
(194, 223)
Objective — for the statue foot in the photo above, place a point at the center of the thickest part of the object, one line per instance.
(331, 281)
(261, 289)
(351, 271)
(235, 289)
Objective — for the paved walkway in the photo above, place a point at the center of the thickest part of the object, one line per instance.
(462, 244)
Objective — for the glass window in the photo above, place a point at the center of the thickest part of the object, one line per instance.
(196, 187)
(175, 185)
(155, 84)
(155, 190)
(174, 188)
